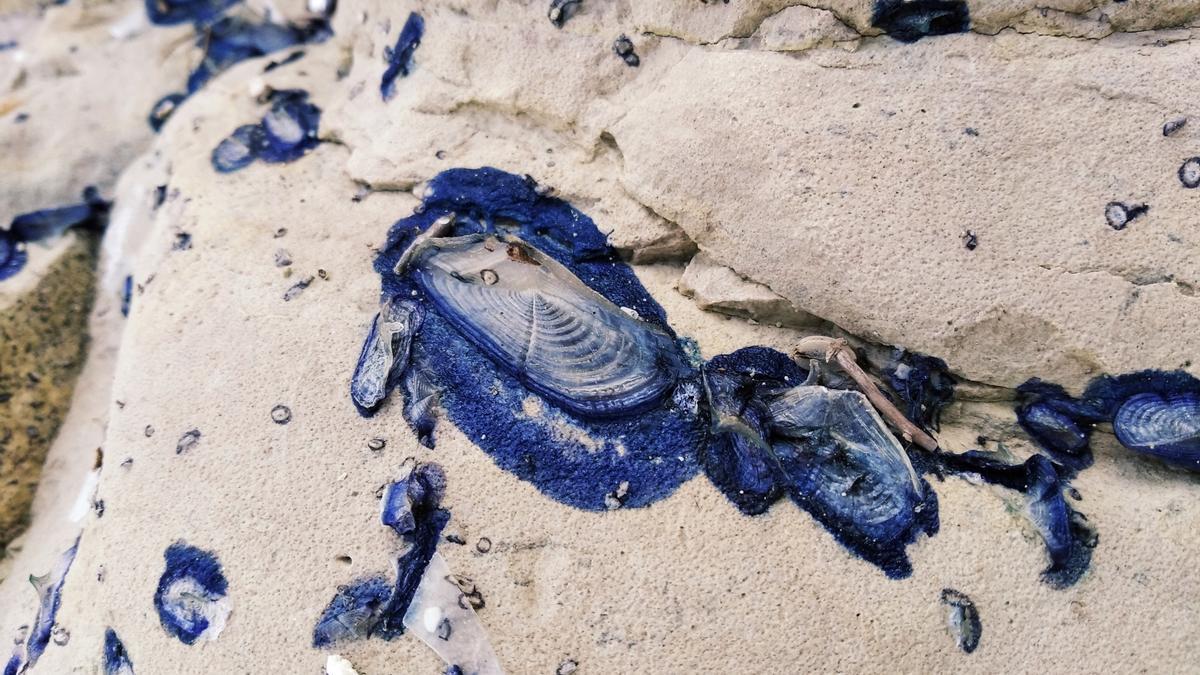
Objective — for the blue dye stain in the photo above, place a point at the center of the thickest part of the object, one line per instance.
(642, 458)
(399, 58)
(116, 658)
(923, 383)
(204, 585)
(371, 607)
(91, 214)
(913, 20)
(49, 590)
(287, 131)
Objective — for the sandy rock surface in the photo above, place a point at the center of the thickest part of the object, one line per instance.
(769, 170)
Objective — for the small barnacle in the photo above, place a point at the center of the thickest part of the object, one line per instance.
(567, 667)
(187, 441)
(623, 47)
(561, 10)
(1189, 173)
(400, 57)
(323, 274)
(163, 109)
(59, 635)
(483, 545)
(297, 288)
(963, 619)
(116, 658)
(1119, 214)
(970, 240)
(376, 444)
(1173, 125)
(489, 277)
(191, 596)
(281, 414)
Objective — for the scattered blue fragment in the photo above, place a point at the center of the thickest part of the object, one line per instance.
(11, 44)
(126, 295)
(49, 589)
(90, 214)
(399, 59)
(116, 658)
(411, 507)
(1059, 423)
(163, 109)
(191, 595)
(924, 384)
(199, 12)
(385, 352)
(287, 131)
(963, 619)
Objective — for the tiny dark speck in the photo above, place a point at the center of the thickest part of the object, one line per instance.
(280, 232)
(21, 117)
(971, 131)
(149, 431)
(443, 629)
(376, 444)
(970, 240)
(187, 441)
(455, 539)
(281, 414)
(440, 154)
(183, 241)
(1174, 125)
(623, 47)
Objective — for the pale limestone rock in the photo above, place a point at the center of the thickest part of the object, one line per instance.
(798, 28)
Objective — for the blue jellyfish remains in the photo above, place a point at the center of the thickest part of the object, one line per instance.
(116, 658)
(191, 596)
(399, 58)
(49, 590)
(1152, 412)
(535, 340)
(287, 131)
(91, 214)
(963, 619)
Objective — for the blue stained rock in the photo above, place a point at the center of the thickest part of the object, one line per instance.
(116, 658)
(399, 58)
(581, 460)
(191, 595)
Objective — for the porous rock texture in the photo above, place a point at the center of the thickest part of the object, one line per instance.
(780, 162)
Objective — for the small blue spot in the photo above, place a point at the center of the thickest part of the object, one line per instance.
(399, 59)
(190, 598)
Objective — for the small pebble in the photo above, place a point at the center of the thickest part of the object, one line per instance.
(567, 667)
(149, 431)
(971, 131)
(282, 258)
(561, 10)
(281, 414)
(443, 629)
(970, 240)
(186, 442)
(1174, 125)
(483, 545)
(280, 232)
(376, 444)
(323, 274)
(489, 277)
(60, 635)
(440, 154)
(1189, 173)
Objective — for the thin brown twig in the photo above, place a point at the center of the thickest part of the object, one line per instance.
(838, 350)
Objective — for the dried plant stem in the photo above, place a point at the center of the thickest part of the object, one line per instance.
(838, 351)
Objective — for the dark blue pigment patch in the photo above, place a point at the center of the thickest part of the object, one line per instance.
(287, 131)
(371, 607)
(963, 619)
(13, 667)
(574, 460)
(289, 59)
(924, 384)
(49, 589)
(116, 658)
(190, 597)
(199, 12)
(91, 214)
(911, 21)
(399, 59)
(11, 44)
